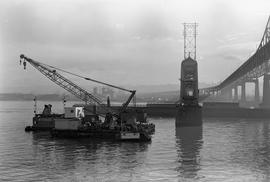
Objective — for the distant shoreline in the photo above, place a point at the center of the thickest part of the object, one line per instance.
(168, 96)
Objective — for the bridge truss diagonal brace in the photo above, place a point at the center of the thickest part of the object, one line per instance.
(266, 35)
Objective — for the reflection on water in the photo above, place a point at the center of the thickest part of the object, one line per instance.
(94, 159)
(189, 143)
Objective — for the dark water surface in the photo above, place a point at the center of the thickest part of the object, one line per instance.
(222, 150)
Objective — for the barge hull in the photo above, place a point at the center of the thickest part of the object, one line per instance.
(102, 134)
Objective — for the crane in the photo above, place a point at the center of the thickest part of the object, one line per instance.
(51, 73)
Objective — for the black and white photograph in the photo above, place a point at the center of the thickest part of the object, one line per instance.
(135, 90)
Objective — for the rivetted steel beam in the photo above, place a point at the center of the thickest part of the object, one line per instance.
(260, 57)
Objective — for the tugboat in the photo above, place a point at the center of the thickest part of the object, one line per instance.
(122, 124)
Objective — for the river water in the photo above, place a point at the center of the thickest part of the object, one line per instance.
(221, 150)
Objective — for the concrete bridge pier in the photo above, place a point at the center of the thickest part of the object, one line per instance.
(226, 94)
(257, 93)
(256, 99)
(235, 93)
(243, 92)
(230, 94)
(189, 112)
(266, 91)
(250, 103)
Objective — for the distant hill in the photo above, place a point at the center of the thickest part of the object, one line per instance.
(160, 88)
(26, 97)
(16, 96)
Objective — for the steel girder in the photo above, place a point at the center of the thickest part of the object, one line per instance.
(257, 65)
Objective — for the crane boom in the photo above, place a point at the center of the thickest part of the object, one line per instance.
(125, 105)
(63, 82)
(73, 88)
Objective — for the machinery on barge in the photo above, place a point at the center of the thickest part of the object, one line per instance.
(94, 119)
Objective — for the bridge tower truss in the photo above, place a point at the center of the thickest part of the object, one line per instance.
(190, 35)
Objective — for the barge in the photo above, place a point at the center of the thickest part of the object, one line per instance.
(121, 124)
(78, 122)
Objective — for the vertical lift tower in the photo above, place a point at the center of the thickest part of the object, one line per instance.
(189, 112)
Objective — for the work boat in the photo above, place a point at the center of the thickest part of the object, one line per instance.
(78, 123)
(122, 124)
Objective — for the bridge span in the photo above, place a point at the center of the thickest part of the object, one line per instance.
(233, 88)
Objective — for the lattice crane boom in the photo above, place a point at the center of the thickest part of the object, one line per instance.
(73, 88)
(63, 82)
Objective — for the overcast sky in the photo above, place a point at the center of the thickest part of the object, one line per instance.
(125, 42)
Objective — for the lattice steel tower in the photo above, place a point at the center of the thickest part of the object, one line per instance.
(190, 34)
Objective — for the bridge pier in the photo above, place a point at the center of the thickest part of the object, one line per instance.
(226, 94)
(189, 112)
(257, 93)
(230, 93)
(256, 96)
(266, 91)
(235, 93)
(243, 92)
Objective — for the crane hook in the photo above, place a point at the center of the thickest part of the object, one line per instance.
(24, 65)
(22, 59)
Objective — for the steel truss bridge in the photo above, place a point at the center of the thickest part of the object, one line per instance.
(256, 66)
